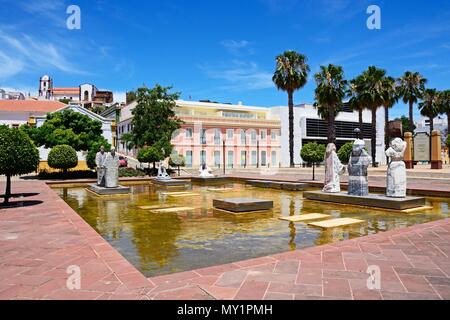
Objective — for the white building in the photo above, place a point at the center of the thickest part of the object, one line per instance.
(11, 95)
(309, 127)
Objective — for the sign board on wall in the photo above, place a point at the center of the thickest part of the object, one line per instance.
(422, 147)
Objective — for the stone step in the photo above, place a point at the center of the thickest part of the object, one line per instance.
(334, 223)
(306, 217)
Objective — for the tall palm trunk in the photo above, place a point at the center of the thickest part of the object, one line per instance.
(374, 136)
(291, 128)
(386, 129)
(331, 126)
(448, 128)
(360, 121)
(411, 128)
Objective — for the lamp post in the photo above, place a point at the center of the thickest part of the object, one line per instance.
(257, 154)
(224, 158)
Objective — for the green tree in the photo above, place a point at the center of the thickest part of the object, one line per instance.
(62, 157)
(344, 152)
(410, 88)
(291, 74)
(390, 92)
(130, 97)
(313, 153)
(405, 124)
(331, 90)
(429, 107)
(18, 155)
(371, 93)
(154, 120)
(66, 127)
(150, 155)
(355, 101)
(444, 107)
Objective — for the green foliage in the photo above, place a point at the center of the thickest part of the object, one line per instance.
(150, 155)
(130, 96)
(94, 148)
(176, 160)
(405, 124)
(410, 87)
(430, 106)
(291, 71)
(313, 152)
(66, 127)
(62, 157)
(344, 152)
(65, 101)
(18, 153)
(130, 172)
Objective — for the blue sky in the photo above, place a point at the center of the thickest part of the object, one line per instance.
(218, 50)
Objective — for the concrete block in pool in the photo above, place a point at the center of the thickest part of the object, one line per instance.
(242, 204)
(171, 182)
(291, 186)
(101, 191)
(372, 200)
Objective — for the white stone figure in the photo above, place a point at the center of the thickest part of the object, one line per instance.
(358, 182)
(112, 164)
(100, 159)
(162, 172)
(333, 168)
(396, 173)
(205, 171)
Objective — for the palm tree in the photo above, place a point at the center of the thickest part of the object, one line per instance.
(331, 90)
(291, 74)
(371, 92)
(411, 85)
(429, 107)
(444, 107)
(390, 92)
(355, 100)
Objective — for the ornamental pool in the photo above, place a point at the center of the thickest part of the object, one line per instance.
(164, 243)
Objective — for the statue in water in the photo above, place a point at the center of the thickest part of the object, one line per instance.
(162, 172)
(333, 168)
(396, 173)
(100, 159)
(358, 183)
(112, 164)
(205, 172)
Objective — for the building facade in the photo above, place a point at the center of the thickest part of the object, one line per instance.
(218, 134)
(11, 95)
(309, 127)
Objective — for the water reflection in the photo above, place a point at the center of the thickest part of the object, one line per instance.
(161, 243)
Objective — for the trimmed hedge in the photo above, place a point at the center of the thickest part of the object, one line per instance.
(62, 157)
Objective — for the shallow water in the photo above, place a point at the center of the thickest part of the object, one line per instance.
(163, 243)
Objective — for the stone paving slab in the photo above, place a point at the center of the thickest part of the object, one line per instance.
(39, 243)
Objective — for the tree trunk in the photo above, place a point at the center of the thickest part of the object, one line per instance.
(8, 189)
(291, 128)
(448, 129)
(386, 131)
(331, 126)
(411, 127)
(314, 171)
(360, 121)
(374, 136)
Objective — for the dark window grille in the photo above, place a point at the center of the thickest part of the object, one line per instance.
(344, 130)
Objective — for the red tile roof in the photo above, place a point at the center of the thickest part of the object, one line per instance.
(30, 105)
(66, 90)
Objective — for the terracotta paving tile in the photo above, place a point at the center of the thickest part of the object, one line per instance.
(309, 276)
(414, 283)
(438, 281)
(443, 291)
(409, 296)
(303, 289)
(220, 293)
(232, 279)
(278, 296)
(421, 272)
(336, 288)
(287, 266)
(252, 290)
(189, 293)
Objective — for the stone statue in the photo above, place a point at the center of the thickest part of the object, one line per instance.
(358, 183)
(112, 164)
(100, 159)
(162, 172)
(205, 172)
(396, 173)
(333, 168)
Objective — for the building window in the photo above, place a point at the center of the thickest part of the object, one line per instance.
(273, 135)
(217, 158)
(230, 159)
(217, 136)
(274, 159)
(263, 134)
(243, 158)
(86, 96)
(230, 134)
(243, 138)
(203, 136)
(189, 159)
(253, 136)
(254, 156)
(202, 157)
(189, 133)
(263, 158)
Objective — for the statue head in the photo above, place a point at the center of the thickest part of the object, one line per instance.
(358, 147)
(330, 148)
(398, 145)
(102, 149)
(113, 151)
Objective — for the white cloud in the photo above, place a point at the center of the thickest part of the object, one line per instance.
(238, 48)
(239, 75)
(9, 66)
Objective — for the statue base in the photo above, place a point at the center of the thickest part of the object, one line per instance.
(289, 186)
(171, 182)
(102, 191)
(436, 165)
(372, 200)
(241, 205)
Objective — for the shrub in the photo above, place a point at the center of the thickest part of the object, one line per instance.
(344, 152)
(130, 172)
(63, 157)
(18, 155)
